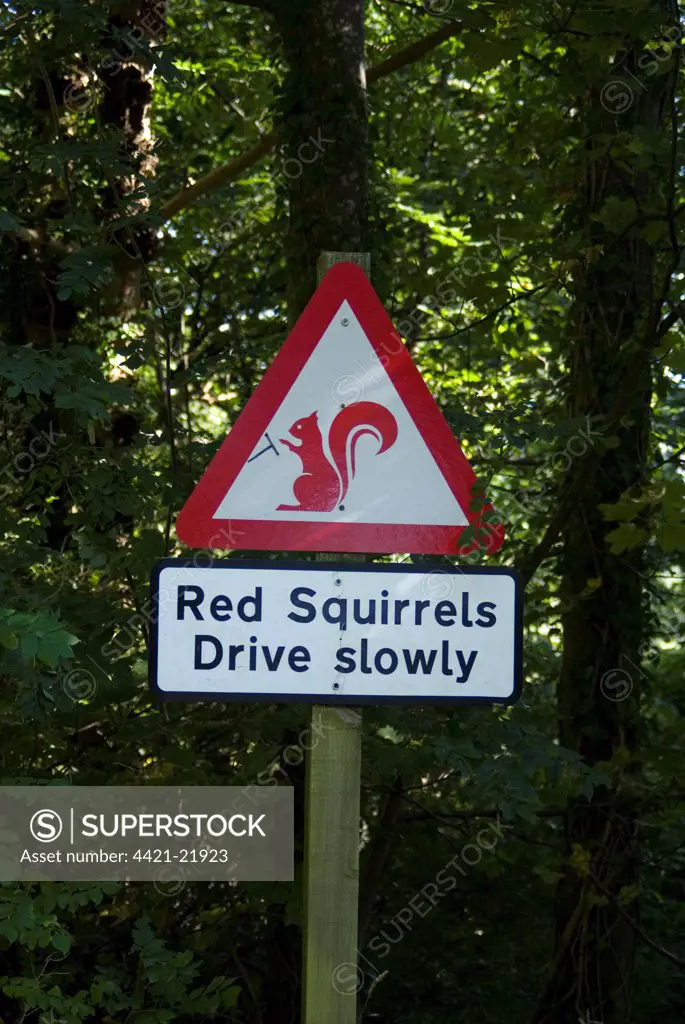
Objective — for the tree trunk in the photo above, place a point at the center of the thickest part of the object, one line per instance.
(324, 168)
(40, 316)
(325, 162)
(613, 324)
(125, 107)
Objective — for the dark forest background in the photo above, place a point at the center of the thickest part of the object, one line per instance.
(169, 174)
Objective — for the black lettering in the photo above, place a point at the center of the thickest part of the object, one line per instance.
(465, 666)
(220, 605)
(399, 608)
(341, 619)
(364, 665)
(357, 612)
(419, 661)
(345, 655)
(393, 661)
(384, 608)
(192, 603)
(253, 653)
(272, 664)
(218, 652)
(233, 651)
(465, 620)
(446, 670)
(309, 609)
(445, 613)
(483, 613)
(299, 659)
(256, 601)
(420, 605)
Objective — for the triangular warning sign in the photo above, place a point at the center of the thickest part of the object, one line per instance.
(341, 447)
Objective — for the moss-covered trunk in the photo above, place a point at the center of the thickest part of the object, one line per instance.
(624, 190)
(324, 165)
(42, 316)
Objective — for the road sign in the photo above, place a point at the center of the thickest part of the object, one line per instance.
(327, 633)
(341, 447)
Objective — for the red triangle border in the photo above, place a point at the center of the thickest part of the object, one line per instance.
(195, 525)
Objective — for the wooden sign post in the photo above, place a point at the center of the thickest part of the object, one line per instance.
(331, 887)
(331, 866)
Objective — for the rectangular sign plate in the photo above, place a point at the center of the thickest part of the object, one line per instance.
(325, 633)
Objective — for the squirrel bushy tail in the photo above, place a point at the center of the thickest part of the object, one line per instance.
(351, 423)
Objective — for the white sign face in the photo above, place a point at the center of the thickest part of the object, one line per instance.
(327, 633)
(402, 484)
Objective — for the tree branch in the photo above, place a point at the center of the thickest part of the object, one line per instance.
(221, 176)
(413, 52)
(494, 812)
(671, 458)
(677, 313)
(634, 925)
(517, 297)
(530, 561)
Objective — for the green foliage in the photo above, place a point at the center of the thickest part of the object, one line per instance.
(120, 377)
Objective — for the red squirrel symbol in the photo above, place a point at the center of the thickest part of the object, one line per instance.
(323, 483)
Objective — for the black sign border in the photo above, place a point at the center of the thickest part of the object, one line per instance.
(194, 696)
